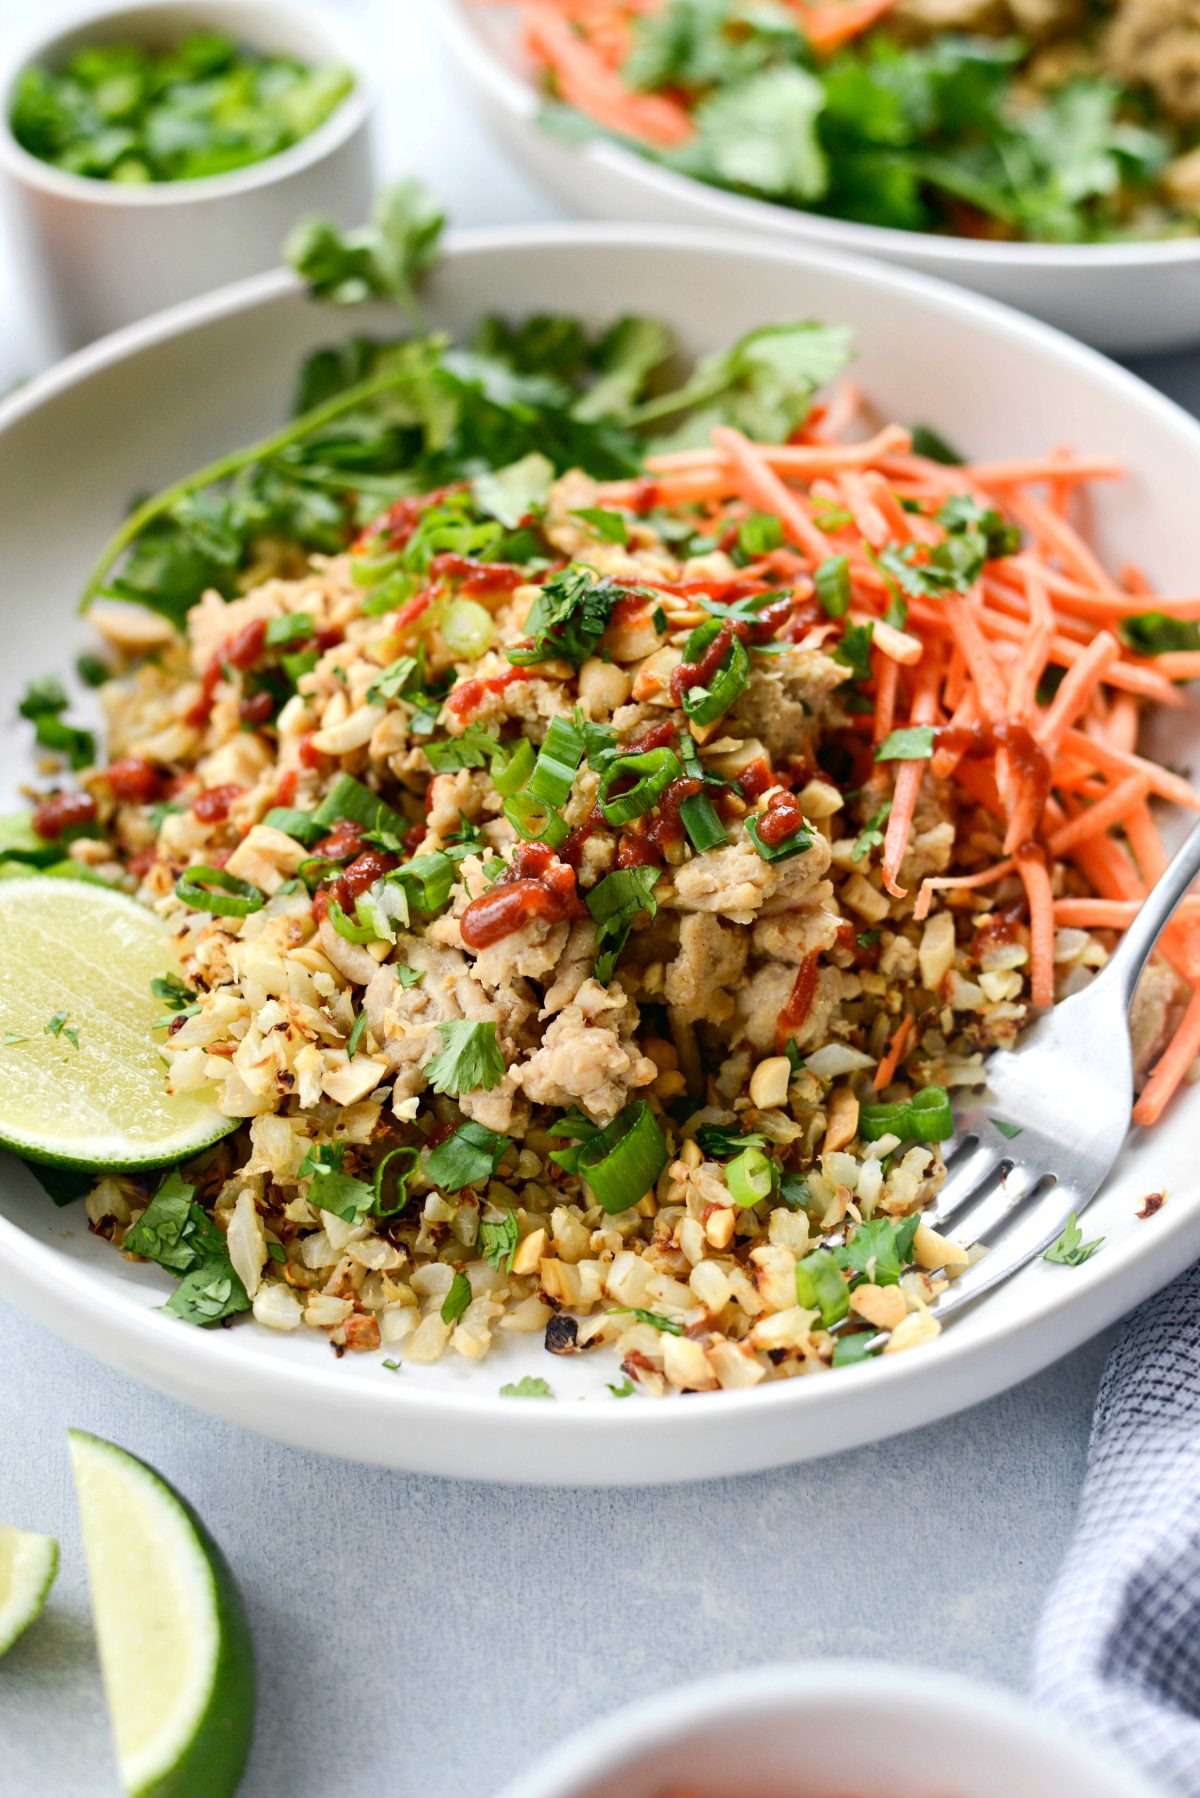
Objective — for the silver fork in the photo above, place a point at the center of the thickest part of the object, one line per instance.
(1040, 1141)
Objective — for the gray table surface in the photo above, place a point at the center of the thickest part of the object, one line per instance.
(425, 1639)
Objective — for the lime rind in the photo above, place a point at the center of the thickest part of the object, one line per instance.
(81, 1069)
(28, 1565)
(175, 1648)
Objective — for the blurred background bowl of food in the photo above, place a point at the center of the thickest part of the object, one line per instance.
(1135, 295)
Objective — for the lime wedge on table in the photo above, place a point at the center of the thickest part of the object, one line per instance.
(28, 1565)
(82, 1080)
(174, 1643)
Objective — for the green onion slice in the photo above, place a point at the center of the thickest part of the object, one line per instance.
(467, 628)
(368, 570)
(391, 1198)
(699, 818)
(301, 826)
(534, 821)
(821, 1287)
(212, 889)
(348, 929)
(796, 844)
(289, 628)
(652, 772)
(706, 704)
(512, 767)
(349, 798)
(752, 1178)
(926, 1117)
(557, 764)
(622, 1162)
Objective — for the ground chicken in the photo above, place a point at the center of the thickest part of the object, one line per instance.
(588, 1056)
(784, 700)
(736, 883)
(711, 959)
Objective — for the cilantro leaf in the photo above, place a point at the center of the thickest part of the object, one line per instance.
(871, 835)
(604, 523)
(457, 1299)
(879, 1250)
(173, 1230)
(382, 260)
(854, 650)
(469, 1060)
(1157, 633)
(528, 1386)
(467, 1158)
(614, 903)
(1070, 1250)
(511, 494)
(569, 616)
(330, 1189)
(208, 1294)
(762, 134)
(721, 1142)
(914, 743)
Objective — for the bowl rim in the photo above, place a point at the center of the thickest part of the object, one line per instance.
(347, 117)
(1101, 1291)
(519, 98)
(614, 1743)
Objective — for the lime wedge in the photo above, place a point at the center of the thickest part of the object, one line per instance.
(28, 1565)
(174, 1643)
(82, 1081)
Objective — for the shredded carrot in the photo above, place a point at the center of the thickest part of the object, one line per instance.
(587, 82)
(830, 25)
(1162, 781)
(940, 883)
(887, 681)
(1171, 1066)
(806, 462)
(1113, 914)
(763, 488)
(1115, 808)
(890, 1060)
(1076, 689)
(908, 781)
(1031, 865)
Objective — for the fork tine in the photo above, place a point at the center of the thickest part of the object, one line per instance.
(970, 1173)
(993, 1207)
(1028, 1239)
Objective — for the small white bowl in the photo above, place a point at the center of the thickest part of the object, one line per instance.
(830, 1729)
(1127, 298)
(101, 254)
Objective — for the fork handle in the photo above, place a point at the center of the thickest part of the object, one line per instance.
(1134, 950)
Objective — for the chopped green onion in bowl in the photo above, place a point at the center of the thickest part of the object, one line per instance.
(133, 114)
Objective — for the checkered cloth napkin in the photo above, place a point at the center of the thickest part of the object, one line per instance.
(1118, 1651)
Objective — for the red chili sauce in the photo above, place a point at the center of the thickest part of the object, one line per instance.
(538, 885)
(212, 806)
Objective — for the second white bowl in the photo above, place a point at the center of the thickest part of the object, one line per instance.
(1123, 297)
(825, 1730)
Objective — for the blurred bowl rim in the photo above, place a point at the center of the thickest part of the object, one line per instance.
(520, 98)
(608, 1745)
(347, 117)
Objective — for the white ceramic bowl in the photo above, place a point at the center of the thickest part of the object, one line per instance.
(103, 253)
(830, 1729)
(167, 396)
(1128, 298)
